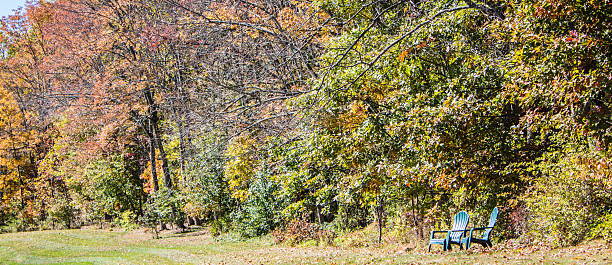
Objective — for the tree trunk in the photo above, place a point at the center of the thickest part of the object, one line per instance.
(190, 221)
(182, 150)
(164, 157)
(22, 205)
(379, 213)
(153, 118)
(152, 158)
(155, 140)
(417, 211)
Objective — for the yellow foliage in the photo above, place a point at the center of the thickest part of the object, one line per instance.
(15, 141)
(241, 166)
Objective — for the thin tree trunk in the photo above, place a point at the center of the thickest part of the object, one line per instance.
(182, 150)
(414, 215)
(164, 157)
(155, 140)
(20, 189)
(22, 203)
(180, 111)
(152, 159)
(379, 213)
(319, 215)
(421, 224)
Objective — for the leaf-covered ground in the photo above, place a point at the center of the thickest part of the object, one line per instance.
(109, 247)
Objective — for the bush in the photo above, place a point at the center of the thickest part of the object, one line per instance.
(299, 231)
(565, 205)
(603, 228)
(126, 220)
(220, 225)
(261, 211)
(109, 187)
(14, 225)
(150, 220)
(62, 213)
(164, 206)
(207, 193)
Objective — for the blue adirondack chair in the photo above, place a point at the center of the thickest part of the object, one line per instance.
(453, 236)
(485, 241)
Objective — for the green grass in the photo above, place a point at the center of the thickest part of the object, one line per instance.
(107, 247)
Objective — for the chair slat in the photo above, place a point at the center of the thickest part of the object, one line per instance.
(460, 223)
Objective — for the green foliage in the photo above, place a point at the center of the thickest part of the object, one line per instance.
(425, 119)
(402, 110)
(469, 106)
(110, 187)
(62, 212)
(127, 220)
(603, 228)
(150, 219)
(207, 192)
(565, 204)
(220, 225)
(14, 225)
(260, 213)
(307, 184)
(164, 206)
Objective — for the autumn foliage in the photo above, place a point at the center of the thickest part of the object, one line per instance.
(259, 115)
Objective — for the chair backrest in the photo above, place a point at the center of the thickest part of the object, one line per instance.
(492, 221)
(460, 223)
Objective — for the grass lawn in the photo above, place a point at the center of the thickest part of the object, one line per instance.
(88, 246)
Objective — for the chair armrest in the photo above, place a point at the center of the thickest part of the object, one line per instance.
(437, 231)
(481, 228)
(478, 229)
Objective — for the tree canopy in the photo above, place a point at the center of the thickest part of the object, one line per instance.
(249, 115)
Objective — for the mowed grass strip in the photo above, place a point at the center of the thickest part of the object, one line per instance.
(136, 247)
(86, 247)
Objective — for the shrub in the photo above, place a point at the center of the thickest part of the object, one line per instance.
(220, 225)
(150, 220)
(603, 228)
(565, 204)
(164, 206)
(61, 212)
(109, 186)
(298, 231)
(126, 220)
(14, 225)
(260, 213)
(208, 195)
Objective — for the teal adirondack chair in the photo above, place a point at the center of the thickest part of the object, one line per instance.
(485, 241)
(455, 235)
